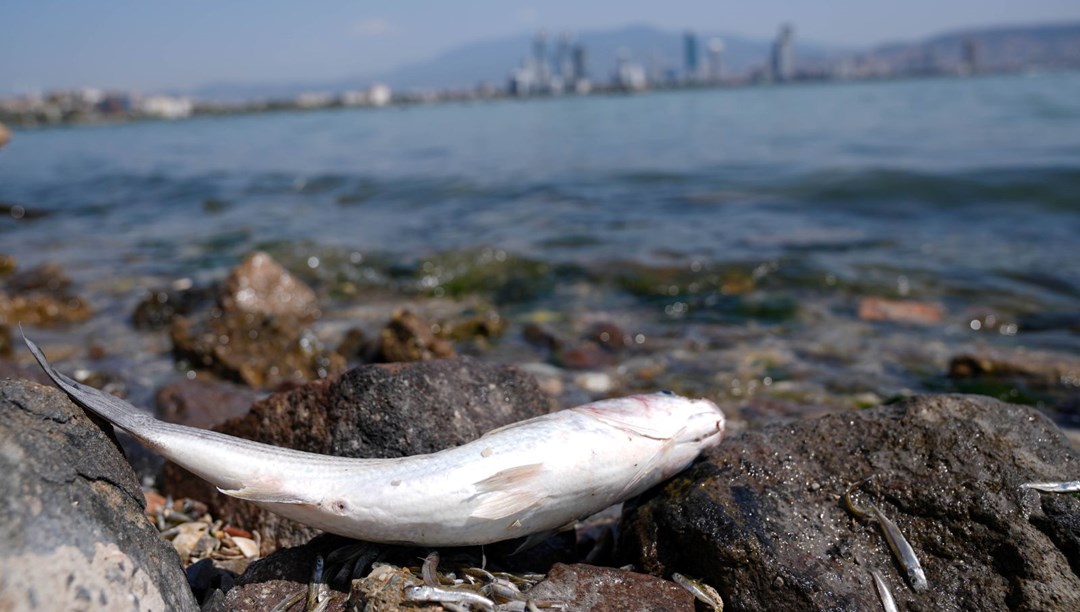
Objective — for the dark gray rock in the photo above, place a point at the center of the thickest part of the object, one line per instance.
(761, 517)
(587, 588)
(73, 534)
(391, 410)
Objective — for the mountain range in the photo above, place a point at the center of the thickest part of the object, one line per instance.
(493, 60)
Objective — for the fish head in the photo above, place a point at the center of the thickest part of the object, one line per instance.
(689, 424)
(917, 578)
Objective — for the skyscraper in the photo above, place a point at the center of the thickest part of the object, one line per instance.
(716, 60)
(690, 47)
(540, 62)
(783, 59)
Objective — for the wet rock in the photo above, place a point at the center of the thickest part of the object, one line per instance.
(8, 263)
(586, 588)
(47, 277)
(259, 350)
(899, 311)
(73, 534)
(609, 336)
(41, 310)
(202, 403)
(372, 411)
(760, 517)
(261, 285)
(475, 327)
(357, 345)
(158, 309)
(541, 337)
(407, 337)
(585, 356)
(1048, 379)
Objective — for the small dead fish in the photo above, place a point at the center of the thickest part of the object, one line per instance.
(430, 569)
(445, 595)
(525, 479)
(701, 591)
(1070, 486)
(899, 545)
(887, 601)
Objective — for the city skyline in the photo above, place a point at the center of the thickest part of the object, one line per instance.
(123, 44)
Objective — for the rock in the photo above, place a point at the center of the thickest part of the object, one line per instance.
(1048, 379)
(5, 135)
(586, 356)
(40, 310)
(586, 588)
(609, 336)
(202, 403)
(259, 350)
(158, 309)
(73, 534)
(761, 520)
(899, 311)
(541, 337)
(47, 277)
(260, 285)
(273, 579)
(8, 264)
(372, 411)
(6, 347)
(407, 337)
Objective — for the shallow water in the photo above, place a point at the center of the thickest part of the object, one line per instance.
(719, 224)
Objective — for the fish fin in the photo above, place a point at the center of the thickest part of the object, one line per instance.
(538, 538)
(650, 465)
(532, 540)
(508, 492)
(265, 495)
(611, 418)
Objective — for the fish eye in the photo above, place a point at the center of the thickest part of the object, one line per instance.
(667, 392)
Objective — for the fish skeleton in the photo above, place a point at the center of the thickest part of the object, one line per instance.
(525, 479)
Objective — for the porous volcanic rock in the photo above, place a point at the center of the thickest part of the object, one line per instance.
(390, 410)
(73, 534)
(761, 517)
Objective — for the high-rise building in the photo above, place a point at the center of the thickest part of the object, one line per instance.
(579, 62)
(690, 48)
(540, 62)
(783, 58)
(716, 60)
(563, 62)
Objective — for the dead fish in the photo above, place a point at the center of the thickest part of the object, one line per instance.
(1070, 486)
(526, 479)
(448, 596)
(701, 591)
(899, 545)
(887, 601)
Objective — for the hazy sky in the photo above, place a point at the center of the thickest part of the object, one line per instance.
(159, 45)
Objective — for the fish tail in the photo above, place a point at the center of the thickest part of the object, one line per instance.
(107, 406)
